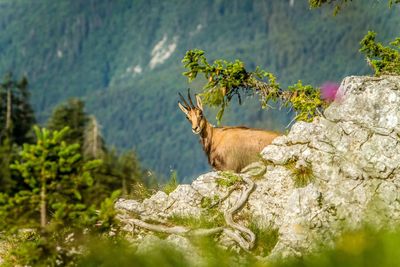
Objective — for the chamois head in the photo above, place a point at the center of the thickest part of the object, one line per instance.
(193, 113)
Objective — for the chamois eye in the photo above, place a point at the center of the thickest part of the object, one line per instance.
(187, 118)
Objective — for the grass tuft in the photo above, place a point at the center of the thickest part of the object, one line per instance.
(301, 172)
(266, 239)
(172, 183)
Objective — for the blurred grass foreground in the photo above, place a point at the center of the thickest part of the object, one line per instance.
(366, 247)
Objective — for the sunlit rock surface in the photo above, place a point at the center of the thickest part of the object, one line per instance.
(351, 155)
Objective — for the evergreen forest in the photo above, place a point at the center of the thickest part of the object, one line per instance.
(122, 59)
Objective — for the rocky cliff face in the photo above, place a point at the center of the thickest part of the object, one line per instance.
(338, 172)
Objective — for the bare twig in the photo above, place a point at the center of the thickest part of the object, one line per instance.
(222, 199)
(177, 230)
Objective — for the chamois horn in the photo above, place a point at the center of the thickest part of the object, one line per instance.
(190, 99)
(187, 106)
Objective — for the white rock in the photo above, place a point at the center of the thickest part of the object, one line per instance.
(353, 154)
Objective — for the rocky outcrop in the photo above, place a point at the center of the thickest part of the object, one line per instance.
(338, 172)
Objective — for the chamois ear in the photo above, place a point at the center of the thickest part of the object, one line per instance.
(199, 104)
(184, 110)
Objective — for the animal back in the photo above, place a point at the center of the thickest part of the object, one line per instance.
(233, 148)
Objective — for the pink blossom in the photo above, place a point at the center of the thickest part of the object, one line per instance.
(329, 90)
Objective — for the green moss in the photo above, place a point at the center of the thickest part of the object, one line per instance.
(227, 179)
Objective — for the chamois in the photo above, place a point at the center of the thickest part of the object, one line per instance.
(227, 148)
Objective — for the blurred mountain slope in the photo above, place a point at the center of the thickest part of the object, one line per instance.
(123, 58)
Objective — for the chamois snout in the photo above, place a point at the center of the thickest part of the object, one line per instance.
(198, 122)
(196, 130)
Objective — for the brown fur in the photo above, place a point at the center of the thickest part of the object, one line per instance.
(227, 148)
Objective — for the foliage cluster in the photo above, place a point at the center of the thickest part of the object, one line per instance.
(51, 203)
(117, 171)
(383, 59)
(60, 246)
(338, 4)
(53, 180)
(226, 79)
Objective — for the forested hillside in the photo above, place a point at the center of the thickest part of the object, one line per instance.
(123, 58)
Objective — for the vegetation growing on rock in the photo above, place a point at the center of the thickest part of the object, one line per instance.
(302, 172)
(228, 179)
(228, 79)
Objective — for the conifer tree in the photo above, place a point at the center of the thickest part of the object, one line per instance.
(16, 113)
(54, 175)
(16, 120)
(70, 114)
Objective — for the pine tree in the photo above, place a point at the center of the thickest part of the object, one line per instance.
(16, 113)
(70, 114)
(55, 175)
(16, 120)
